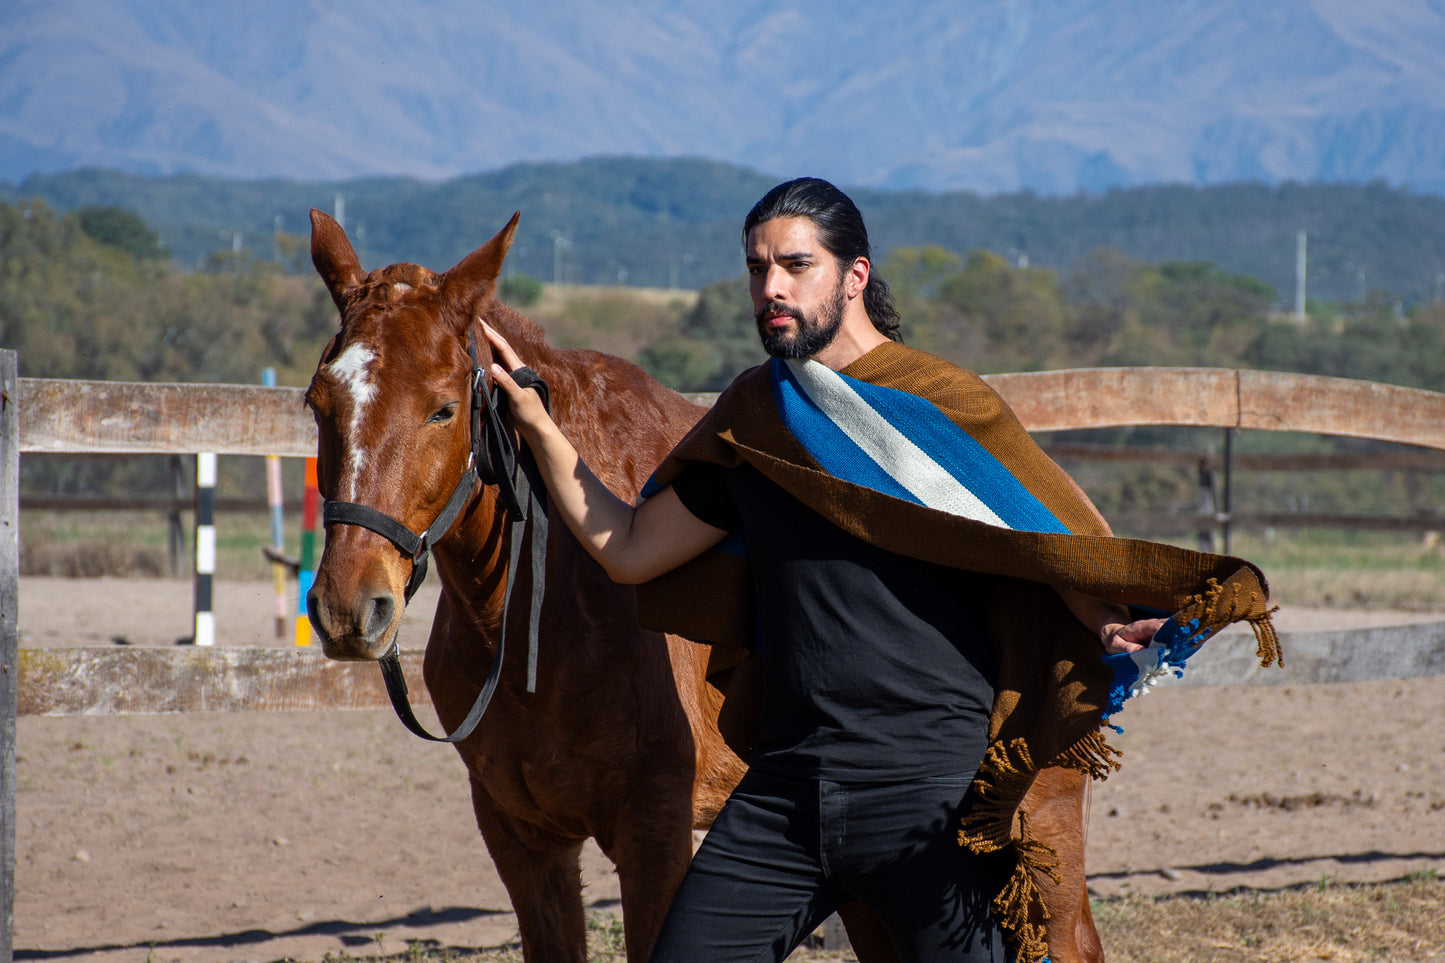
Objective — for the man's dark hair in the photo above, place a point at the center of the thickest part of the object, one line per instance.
(840, 231)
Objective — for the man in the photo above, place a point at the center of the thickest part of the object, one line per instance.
(876, 587)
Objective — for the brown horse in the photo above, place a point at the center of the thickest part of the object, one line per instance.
(619, 740)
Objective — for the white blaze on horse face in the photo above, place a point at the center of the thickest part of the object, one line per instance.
(353, 371)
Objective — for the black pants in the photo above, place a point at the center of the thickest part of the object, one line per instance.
(785, 853)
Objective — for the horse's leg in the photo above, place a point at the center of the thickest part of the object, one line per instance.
(1058, 807)
(651, 845)
(543, 877)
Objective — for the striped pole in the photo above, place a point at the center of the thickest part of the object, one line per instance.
(307, 572)
(275, 497)
(205, 633)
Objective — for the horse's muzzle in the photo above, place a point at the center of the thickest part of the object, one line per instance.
(359, 630)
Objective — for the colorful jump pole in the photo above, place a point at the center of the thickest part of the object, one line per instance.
(307, 571)
(205, 627)
(275, 498)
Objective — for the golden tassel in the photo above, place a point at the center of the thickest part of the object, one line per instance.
(994, 822)
(1019, 908)
(1003, 779)
(1011, 909)
(1267, 639)
(1239, 599)
(1091, 755)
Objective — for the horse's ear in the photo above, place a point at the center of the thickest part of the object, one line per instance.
(333, 255)
(475, 276)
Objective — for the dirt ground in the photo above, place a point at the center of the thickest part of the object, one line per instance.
(263, 836)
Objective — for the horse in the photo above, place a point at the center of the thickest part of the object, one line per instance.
(619, 742)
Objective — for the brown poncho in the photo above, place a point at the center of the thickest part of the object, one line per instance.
(1052, 682)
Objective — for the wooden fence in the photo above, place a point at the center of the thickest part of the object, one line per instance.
(78, 417)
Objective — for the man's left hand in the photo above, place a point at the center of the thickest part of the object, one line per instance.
(1128, 637)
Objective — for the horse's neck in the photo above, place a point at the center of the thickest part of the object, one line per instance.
(471, 562)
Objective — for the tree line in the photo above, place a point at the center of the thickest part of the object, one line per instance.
(90, 294)
(675, 223)
(987, 314)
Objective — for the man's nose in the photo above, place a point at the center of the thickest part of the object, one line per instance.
(775, 284)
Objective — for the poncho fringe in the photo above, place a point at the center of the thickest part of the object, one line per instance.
(1008, 770)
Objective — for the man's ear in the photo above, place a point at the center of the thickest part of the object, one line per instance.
(858, 273)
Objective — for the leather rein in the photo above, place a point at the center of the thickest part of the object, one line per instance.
(492, 460)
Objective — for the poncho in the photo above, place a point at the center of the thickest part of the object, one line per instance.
(922, 458)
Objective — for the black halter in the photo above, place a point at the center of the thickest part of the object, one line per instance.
(491, 460)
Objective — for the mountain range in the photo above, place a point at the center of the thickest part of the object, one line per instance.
(1053, 96)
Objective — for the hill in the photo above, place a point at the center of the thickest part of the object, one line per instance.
(675, 223)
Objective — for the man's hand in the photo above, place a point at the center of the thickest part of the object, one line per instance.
(632, 544)
(525, 405)
(1120, 637)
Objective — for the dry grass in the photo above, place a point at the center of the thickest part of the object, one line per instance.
(1395, 921)
(1326, 569)
(1331, 588)
(1343, 923)
(133, 544)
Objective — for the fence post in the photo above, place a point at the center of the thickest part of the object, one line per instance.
(175, 534)
(1208, 534)
(275, 501)
(306, 573)
(9, 640)
(1228, 485)
(205, 625)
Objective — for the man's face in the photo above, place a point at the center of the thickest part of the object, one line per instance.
(797, 289)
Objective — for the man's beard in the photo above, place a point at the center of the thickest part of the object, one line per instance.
(810, 336)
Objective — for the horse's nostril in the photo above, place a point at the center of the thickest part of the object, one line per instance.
(313, 614)
(382, 610)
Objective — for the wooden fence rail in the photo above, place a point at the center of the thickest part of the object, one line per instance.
(42, 415)
(120, 417)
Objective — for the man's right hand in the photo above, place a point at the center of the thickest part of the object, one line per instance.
(528, 413)
(632, 544)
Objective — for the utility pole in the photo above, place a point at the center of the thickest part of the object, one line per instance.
(1300, 240)
(560, 246)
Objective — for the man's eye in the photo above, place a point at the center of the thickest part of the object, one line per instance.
(443, 415)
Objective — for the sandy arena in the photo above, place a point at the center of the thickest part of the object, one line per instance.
(263, 836)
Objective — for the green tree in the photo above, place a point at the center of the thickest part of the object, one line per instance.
(1374, 339)
(722, 320)
(917, 272)
(519, 290)
(73, 307)
(76, 308)
(1212, 315)
(681, 363)
(117, 227)
(1020, 311)
(1102, 304)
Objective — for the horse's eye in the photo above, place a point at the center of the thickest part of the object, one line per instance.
(443, 414)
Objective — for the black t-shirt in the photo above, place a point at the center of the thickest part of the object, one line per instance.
(875, 666)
